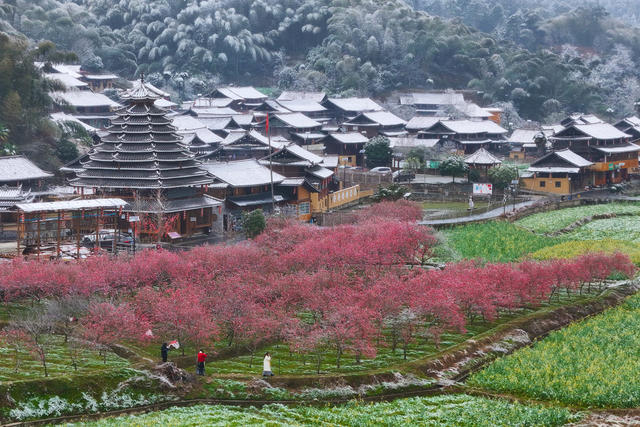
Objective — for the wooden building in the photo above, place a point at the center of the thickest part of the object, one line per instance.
(343, 109)
(241, 97)
(348, 147)
(142, 160)
(470, 135)
(376, 123)
(610, 149)
(630, 126)
(559, 172)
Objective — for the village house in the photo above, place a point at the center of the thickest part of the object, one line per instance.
(376, 123)
(99, 82)
(630, 126)
(522, 143)
(559, 172)
(607, 147)
(468, 135)
(290, 125)
(348, 146)
(20, 179)
(289, 95)
(246, 185)
(241, 97)
(248, 145)
(91, 108)
(343, 109)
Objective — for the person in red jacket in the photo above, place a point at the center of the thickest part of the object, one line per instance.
(202, 356)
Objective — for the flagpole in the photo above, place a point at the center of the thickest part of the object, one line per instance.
(273, 202)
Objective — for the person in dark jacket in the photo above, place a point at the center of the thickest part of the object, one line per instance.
(164, 351)
(202, 356)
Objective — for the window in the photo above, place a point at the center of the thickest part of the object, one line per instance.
(304, 208)
(543, 184)
(558, 184)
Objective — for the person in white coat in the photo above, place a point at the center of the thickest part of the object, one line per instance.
(266, 365)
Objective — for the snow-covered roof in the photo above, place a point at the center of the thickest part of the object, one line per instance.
(84, 98)
(473, 110)
(242, 173)
(71, 205)
(302, 105)
(441, 98)
(216, 123)
(19, 168)
(382, 118)
(298, 151)
(349, 137)
(601, 131)
(210, 103)
(100, 76)
(72, 70)
(187, 123)
(573, 158)
(67, 80)
(296, 96)
(241, 93)
(482, 157)
(215, 112)
(330, 161)
(205, 135)
(243, 119)
(469, 126)
(423, 122)
(633, 120)
(627, 148)
(163, 103)
(411, 142)
(355, 104)
(553, 169)
(297, 120)
(256, 136)
(62, 117)
(319, 172)
(523, 136)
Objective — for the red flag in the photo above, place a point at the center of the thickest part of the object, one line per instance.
(267, 130)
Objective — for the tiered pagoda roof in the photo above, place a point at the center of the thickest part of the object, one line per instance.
(141, 151)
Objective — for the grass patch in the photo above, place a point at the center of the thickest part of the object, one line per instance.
(495, 241)
(548, 222)
(449, 410)
(621, 228)
(590, 363)
(58, 362)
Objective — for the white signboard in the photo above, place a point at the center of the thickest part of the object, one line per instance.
(134, 218)
(482, 188)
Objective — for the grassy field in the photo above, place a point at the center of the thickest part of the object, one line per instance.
(58, 362)
(548, 222)
(573, 249)
(622, 228)
(496, 241)
(591, 363)
(451, 410)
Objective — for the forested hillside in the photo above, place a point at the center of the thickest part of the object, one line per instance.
(604, 36)
(341, 46)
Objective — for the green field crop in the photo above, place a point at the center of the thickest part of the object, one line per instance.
(591, 363)
(449, 410)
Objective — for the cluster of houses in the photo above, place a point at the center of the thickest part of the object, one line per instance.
(161, 169)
